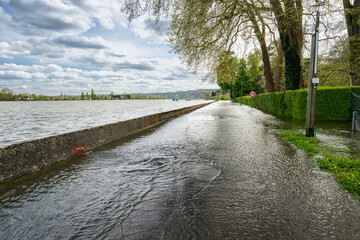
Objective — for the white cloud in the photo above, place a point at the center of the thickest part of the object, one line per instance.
(49, 15)
(48, 46)
(10, 74)
(81, 42)
(50, 79)
(146, 29)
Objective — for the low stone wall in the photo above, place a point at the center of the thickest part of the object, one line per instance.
(19, 159)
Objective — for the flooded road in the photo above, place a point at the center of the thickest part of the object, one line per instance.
(220, 172)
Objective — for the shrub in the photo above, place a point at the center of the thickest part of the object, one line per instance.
(289, 104)
(300, 100)
(333, 103)
(278, 102)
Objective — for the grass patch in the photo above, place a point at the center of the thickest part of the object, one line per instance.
(345, 168)
(310, 145)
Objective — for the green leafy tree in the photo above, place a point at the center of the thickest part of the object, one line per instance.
(227, 72)
(202, 30)
(243, 84)
(254, 72)
(7, 94)
(93, 97)
(333, 68)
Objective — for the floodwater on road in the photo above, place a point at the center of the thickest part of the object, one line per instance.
(220, 172)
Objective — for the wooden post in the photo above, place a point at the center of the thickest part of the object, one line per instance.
(310, 129)
(309, 123)
(241, 91)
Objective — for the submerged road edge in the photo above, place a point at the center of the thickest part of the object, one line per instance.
(20, 159)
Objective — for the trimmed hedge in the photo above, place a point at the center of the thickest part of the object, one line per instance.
(333, 103)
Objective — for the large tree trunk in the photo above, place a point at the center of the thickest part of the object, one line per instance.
(352, 16)
(260, 35)
(267, 68)
(292, 63)
(279, 70)
(288, 14)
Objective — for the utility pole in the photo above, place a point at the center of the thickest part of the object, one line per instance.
(310, 129)
(241, 91)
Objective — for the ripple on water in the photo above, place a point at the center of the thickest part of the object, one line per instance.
(195, 177)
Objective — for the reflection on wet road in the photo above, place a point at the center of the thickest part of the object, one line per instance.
(220, 172)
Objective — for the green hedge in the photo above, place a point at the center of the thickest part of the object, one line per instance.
(333, 103)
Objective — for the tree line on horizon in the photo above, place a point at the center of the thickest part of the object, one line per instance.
(7, 94)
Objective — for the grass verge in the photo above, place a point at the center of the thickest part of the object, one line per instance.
(345, 168)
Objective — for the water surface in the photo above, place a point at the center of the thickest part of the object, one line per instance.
(24, 121)
(220, 172)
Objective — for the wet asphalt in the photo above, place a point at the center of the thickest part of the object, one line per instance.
(220, 172)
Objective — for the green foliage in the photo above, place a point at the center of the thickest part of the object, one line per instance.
(300, 100)
(356, 90)
(239, 76)
(333, 67)
(227, 72)
(278, 103)
(345, 169)
(289, 104)
(254, 71)
(93, 95)
(332, 103)
(7, 95)
(309, 145)
(242, 83)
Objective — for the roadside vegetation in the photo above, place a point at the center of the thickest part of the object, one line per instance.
(333, 103)
(345, 167)
(259, 45)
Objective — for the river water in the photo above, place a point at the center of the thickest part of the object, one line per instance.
(24, 121)
(220, 172)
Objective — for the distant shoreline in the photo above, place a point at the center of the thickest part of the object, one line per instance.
(8, 95)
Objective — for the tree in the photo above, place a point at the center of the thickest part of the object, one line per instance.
(254, 72)
(243, 83)
(352, 16)
(288, 15)
(239, 76)
(93, 96)
(7, 94)
(202, 30)
(227, 72)
(334, 67)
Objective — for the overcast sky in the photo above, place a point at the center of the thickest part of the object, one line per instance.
(71, 46)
